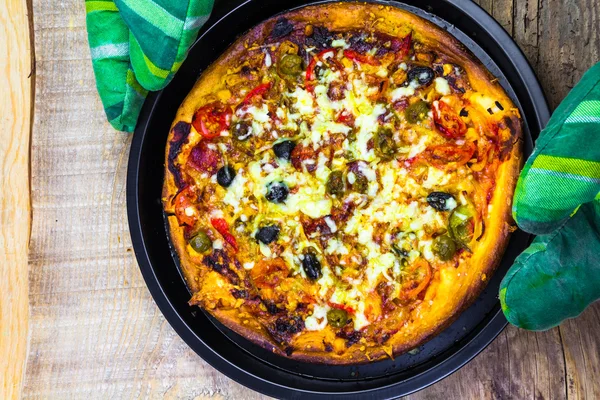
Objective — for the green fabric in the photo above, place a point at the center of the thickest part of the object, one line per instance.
(558, 198)
(137, 46)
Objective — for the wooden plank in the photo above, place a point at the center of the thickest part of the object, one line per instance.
(95, 331)
(502, 11)
(526, 29)
(568, 44)
(15, 116)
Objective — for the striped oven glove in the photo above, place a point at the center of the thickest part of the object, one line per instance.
(558, 198)
(137, 46)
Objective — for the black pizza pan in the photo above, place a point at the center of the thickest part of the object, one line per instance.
(233, 355)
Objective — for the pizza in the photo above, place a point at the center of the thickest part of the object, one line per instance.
(338, 183)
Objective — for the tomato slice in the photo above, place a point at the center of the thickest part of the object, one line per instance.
(185, 201)
(449, 155)
(223, 228)
(447, 121)
(210, 120)
(260, 90)
(361, 58)
(269, 273)
(414, 287)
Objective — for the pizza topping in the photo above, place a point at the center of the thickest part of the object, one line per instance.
(449, 156)
(337, 317)
(335, 183)
(223, 228)
(205, 157)
(416, 112)
(441, 201)
(462, 225)
(318, 320)
(422, 76)
(220, 262)
(184, 207)
(277, 192)
(316, 67)
(225, 176)
(358, 182)
(384, 144)
(442, 87)
(212, 119)
(311, 264)
(241, 130)
(255, 93)
(283, 150)
(201, 243)
(361, 58)
(319, 37)
(268, 234)
(447, 121)
(290, 64)
(444, 247)
(421, 271)
(404, 47)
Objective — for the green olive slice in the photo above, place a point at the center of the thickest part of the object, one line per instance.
(337, 317)
(201, 243)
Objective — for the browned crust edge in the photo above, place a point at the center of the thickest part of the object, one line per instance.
(498, 223)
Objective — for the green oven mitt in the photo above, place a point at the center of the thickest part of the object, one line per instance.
(137, 46)
(558, 199)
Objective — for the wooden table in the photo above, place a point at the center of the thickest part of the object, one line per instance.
(94, 331)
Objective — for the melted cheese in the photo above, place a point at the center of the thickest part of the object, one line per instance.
(304, 102)
(318, 320)
(236, 191)
(394, 201)
(442, 86)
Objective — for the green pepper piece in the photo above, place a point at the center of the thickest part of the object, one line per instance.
(385, 148)
(462, 226)
(416, 112)
(361, 184)
(444, 247)
(290, 64)
(335, 183)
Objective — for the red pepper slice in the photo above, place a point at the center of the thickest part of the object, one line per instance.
(341, 307)
(184, 199)
(448, 122)
(211, 119)
(260, 90)
(310, 70)
(361, 58)
(223, 228)
(404, 48)
(345, 117)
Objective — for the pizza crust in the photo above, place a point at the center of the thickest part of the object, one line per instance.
(458, 293)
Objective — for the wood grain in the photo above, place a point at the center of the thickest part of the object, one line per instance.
(95, 332)
(15, 117)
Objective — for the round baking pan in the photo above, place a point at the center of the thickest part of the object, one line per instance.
(230, 353)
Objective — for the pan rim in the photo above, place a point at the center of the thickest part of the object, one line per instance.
(480, 340)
